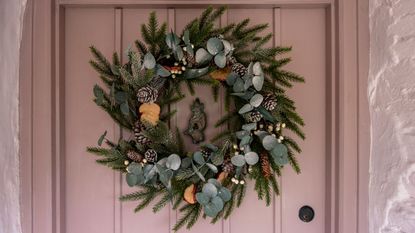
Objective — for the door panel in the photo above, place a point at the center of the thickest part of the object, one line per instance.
(89, 188)
(92, 191)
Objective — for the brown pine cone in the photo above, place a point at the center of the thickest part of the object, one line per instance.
(265, 165)
(135, 156)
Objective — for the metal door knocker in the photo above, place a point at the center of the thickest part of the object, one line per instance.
(306, 213)
(197, 122)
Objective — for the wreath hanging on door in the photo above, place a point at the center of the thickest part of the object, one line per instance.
(254, 145)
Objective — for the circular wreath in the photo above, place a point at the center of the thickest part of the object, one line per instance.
(254, 146)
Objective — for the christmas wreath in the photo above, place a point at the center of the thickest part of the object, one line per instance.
(137, 96)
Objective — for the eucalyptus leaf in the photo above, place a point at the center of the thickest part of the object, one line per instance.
(149, 61)
(202, 56)
(196, 73)
(211, 146)
(238, 160)
(135, 168)
(186, 162)
(231, 79)
(215, 182)
(198, 158)
(245, 141)
(227, 47)
(210, 190)
(249, 127)
(280, 154)
(251, 158)
(258, 82)
(120, 97)
(131, 179)
(178, 53)
(247, 84)
(189, 49)
(125, 109)
(269, 142)
(210, 210)
(212, 167)
(217, 159)
(218, 203)
(267, 116)
(214, 45)
(225, 194)
(246, 108)
(101, 138)
(173, 162)
(161, 71)
(256, 69)
(186, 38)
(172, 41)
(198, 173)
(202, 198)
(220, 60)
(238, 86)
(241, 134)
(256, 100)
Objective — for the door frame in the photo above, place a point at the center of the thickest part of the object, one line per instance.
(41, 133)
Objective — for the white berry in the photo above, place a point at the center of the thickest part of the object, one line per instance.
(126, 162)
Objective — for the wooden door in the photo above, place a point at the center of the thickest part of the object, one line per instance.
(91, 191)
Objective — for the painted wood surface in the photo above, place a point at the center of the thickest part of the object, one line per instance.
(91, 191)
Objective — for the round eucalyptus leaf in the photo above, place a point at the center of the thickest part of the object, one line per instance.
(231, 79)
(225, 194)
(210, 190)
(140, 179)
(210, 210)
(149, 61)
(215, 182)
(202, 56)
(135, 168)
(261, 134)
(249, 127)
(246, 108)
(217, 159)
(220, 60)
(214, 45)
(250, 69)
(186, 162)
(238, 86)
(211, 146)
(238, 160)
(198, 158)
(258, 82)
(251, 158)
(256, 69)
(131, 179)
(173, 162)
(245, 141)
(269, 142)
(256, 100)
(202, 198)
(217, 203)
(241, 134)
(280, 154)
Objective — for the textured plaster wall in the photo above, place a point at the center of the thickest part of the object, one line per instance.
(392, 108)
(11, 18)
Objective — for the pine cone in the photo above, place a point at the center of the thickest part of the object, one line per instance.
(147, 94)
(228, 167)
(151, 155)
(134, 156)
(142, 140)
(239, 69)
(269, 102)
(191, 60)
(253, 116)
(265, 165)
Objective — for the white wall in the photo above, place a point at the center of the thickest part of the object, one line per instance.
(11, 18)
(392, 108)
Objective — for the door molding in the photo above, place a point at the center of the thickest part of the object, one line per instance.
(41, 119)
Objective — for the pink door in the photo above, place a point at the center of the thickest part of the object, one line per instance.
(90, 201)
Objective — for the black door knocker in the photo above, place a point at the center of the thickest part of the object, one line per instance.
(306, 213)
(197, 122)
